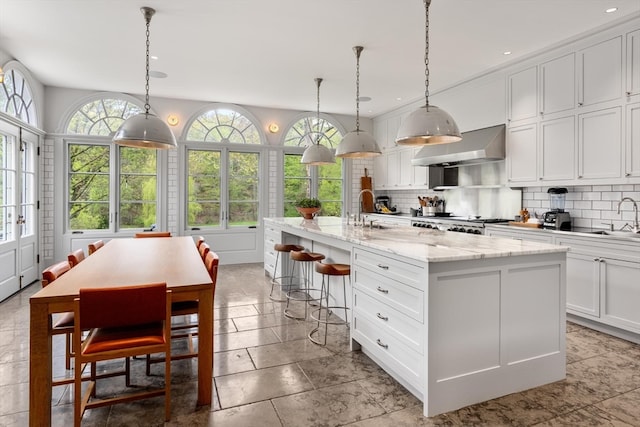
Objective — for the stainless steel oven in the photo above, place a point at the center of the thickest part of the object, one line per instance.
(457, 224)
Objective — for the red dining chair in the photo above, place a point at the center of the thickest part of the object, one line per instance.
(95, 246)
(153, 234)
(188, 308)
(123, 321)
(64, 324)
(199, 242)
(204, 249)
(76, 257)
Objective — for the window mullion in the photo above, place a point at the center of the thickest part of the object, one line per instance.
(114, 188)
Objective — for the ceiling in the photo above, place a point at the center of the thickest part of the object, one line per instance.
(268, 52)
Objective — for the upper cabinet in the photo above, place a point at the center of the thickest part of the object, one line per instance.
(600, 72)
(633, 63)
(586, 129)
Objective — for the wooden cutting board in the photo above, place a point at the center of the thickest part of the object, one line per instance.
(367, 198)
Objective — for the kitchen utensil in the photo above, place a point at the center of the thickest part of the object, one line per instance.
(367, 198)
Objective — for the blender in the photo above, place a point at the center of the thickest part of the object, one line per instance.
(557, 218)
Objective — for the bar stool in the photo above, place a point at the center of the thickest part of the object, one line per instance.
(327, 271)
(302, 293)
(282, 248)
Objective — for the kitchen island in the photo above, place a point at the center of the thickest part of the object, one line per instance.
(456, 318)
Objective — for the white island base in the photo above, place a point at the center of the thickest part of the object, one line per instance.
(456, 319)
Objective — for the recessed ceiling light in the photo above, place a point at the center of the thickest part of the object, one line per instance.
(508, 52)
(364, 99)
(157, 74)
(153, 57)
(611, 10)
(398, 99)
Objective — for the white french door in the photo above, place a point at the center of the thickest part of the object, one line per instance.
(18, 209)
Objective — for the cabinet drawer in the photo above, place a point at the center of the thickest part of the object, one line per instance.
(403, 298)
(401, 271)
(392, 321)
(399, 358)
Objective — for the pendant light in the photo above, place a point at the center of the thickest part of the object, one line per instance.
(145, 130)
(428, 124)
(316, 153)
(358, 143)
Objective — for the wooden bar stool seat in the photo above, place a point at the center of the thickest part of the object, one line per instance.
(303, 292)
(324, 314)
(281, 248)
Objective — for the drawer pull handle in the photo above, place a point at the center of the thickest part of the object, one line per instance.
(381, 344)
(384, 291)
(380, 316)
(384, 267)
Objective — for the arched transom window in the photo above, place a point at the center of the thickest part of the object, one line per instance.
(101, 117)
(223, 125)
(307, 130)
(16, 99)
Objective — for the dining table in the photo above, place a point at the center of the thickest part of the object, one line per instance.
(121, 262)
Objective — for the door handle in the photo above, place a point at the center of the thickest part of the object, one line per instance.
(21, 220)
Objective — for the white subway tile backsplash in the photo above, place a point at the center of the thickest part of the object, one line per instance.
(612, 195)
(582, 204)
(601, 188)
(603, 205)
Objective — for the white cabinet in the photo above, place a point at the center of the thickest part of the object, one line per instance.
(600, 144)
(557, 85)
(380, 172)
(600, 72)
(393, 170)
(521, 154)
(557, 149)
(420, 173)
(522, 92)
(583, 283)
(633, 63)
(632, 141)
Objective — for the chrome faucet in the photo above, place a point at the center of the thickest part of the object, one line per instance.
(636, 226)
(366, 190)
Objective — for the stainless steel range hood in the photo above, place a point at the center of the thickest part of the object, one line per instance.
(477, 146)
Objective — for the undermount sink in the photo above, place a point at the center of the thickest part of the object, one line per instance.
(617, 233)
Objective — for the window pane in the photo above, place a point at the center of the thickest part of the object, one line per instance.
(330, 188)
(204, 188)
(297, 183)
(138, 187)
(88, 187)
(243, 188)
(7, 188)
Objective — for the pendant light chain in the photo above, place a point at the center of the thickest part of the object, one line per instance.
(358, 88)
(426, 53)
(318, 82)
(147, 107)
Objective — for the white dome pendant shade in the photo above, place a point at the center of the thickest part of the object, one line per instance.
(145, 130)
(358, 143)
(429, 124)
(316, 153)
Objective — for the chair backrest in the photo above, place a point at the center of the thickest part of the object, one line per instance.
(199, 241)
(204, 250)
(76, 257)
(154, 234)
(122, 305)
(95, 246)
(211, 261)
(54, 271)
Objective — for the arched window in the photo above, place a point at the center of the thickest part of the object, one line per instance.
(101, 117)
(16, 99)
(98, 169)
(223, 125)
(223, 188)
(300, 180)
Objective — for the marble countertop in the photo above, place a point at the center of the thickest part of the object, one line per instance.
(592, 233)
(425, 245)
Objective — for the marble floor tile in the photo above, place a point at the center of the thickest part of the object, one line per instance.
(580, 347)
(254, 386)
(292, 331)
(330, 406)
(389, 393)
(256, 414)
(223, 326)
(409, 417)
(612, 371)
(588, 416)
(286, 352)
(270, 307)
(339, 369)
(261, 321)
(232, 362)
(244, 339)
(625, 407)
(511, 410)
(234, 311)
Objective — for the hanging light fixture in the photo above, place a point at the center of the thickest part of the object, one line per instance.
(145, 130)
(428, 124)
(316, 153)
(358, 143)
